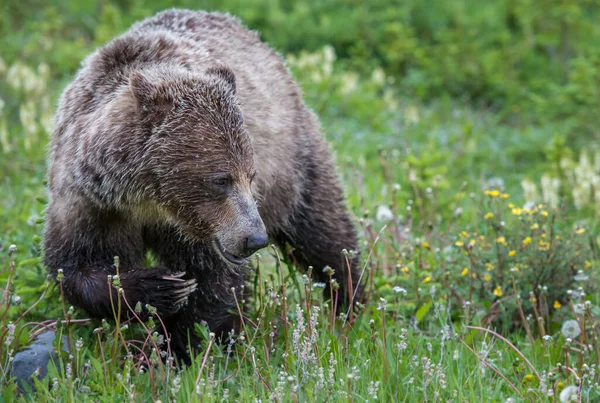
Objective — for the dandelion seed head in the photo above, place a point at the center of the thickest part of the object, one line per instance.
(570, 329)
(569, 394)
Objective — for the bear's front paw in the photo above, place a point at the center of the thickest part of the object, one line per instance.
(159, 288)
(181, 288)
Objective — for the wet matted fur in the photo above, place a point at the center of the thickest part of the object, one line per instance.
(183, 136)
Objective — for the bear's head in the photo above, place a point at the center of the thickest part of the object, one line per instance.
(201, 156)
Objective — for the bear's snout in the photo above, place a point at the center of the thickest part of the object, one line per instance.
(237, 252)
(244, 234)
(256, 242)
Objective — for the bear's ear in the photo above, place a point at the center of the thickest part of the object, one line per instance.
(141, 88)
(153, 102)
(224, 73)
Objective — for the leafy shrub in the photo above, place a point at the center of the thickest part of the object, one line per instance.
(510, 54)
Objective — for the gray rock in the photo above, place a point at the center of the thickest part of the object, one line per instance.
(35, 357)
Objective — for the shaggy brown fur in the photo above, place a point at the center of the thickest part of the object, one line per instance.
(156, 143)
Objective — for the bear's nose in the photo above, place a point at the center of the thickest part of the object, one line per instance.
(256, 241)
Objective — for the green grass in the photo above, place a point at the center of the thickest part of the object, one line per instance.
(443, 271)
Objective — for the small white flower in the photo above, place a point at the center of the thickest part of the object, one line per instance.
(579, 308)
(412, 175)
(580, 276)
(569, 394)
(384, 214)
(399, 290)
(570, 329)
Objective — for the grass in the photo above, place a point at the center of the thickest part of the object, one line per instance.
(472, 287)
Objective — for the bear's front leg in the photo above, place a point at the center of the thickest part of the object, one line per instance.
(215, 302)
(102, 297)
(80, 252)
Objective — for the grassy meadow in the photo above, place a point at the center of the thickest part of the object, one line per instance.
(466, 135)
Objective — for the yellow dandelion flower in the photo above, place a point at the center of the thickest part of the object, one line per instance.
(498, 291)
(488, 216)
(492, 193)
(587, 264)
(489, 267)
(464, 272)
(459, 243)
(517, 211)
(504, 196)
(472, 242)
(404, 269)
(464, 234)
(512, 253)
(486, 278)
(560, 386)
(425, 244)
(544, 245)
(501, 240)
(544, 213)
(557, 305)
(580, 231)
(527, 241)
(528, 378)
(427, 279)
(532, 299)
(535, 226)
(515, 268)
(511, 206)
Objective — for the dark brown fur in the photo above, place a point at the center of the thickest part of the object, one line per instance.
(156, 143)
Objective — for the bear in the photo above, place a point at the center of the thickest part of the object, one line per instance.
(187, 137)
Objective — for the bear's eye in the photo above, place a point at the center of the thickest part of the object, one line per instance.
(222, 182)
(252, 176)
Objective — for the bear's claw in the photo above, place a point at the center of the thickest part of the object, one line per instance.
(184, 288)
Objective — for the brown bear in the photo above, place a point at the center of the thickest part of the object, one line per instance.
(188, 137)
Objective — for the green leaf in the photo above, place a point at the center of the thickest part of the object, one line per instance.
(423, 310)
(30, 262)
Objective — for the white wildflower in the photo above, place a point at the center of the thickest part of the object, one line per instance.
(399, 290)
(378, 76)
(550, 190)
(529, 191)
(349, 83)
(382, 304)
(581, 276)
(373, 389)
(11, 333)
(176, 385)
(384, 214)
